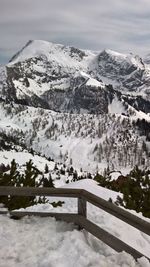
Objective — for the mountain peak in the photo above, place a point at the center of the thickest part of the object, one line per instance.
(114, 53)
(64, 55)
(120, 58)
(147, 59)
(33, 48)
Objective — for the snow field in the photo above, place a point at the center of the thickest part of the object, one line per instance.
(43, 242)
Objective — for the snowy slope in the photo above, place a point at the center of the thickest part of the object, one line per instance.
(24, 156)
(90, 142)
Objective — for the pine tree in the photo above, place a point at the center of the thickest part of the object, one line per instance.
(14, 178)
(31, 173)
(75, 176)
(46, 168)
(48, 182)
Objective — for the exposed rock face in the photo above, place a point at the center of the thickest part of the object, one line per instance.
(84, 99)
(125, 71)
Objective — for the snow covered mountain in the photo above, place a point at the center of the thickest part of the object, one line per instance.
(88, 108)
(147, 59)
(64, 78)
(55, 77)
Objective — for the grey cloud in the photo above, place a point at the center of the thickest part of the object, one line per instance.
(116, 24)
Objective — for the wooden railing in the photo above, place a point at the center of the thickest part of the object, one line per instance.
(80, 218)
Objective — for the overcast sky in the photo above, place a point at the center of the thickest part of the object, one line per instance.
(121, 25)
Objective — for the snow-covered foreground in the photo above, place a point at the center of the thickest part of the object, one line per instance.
(43, 242)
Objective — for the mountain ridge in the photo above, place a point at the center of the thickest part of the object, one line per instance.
(41, 67)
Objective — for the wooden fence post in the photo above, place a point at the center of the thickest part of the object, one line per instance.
(82, 209)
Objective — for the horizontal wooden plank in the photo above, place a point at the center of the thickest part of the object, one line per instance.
(39, 191)
(67, 217)
(108, 238)
(118, 212)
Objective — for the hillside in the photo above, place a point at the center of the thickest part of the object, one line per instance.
(110, 140)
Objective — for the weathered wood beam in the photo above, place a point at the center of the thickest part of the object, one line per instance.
(67, 217)
(39, 191)
(118, 212)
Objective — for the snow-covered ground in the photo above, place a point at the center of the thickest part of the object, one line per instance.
(24, 156)
(43, 242)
